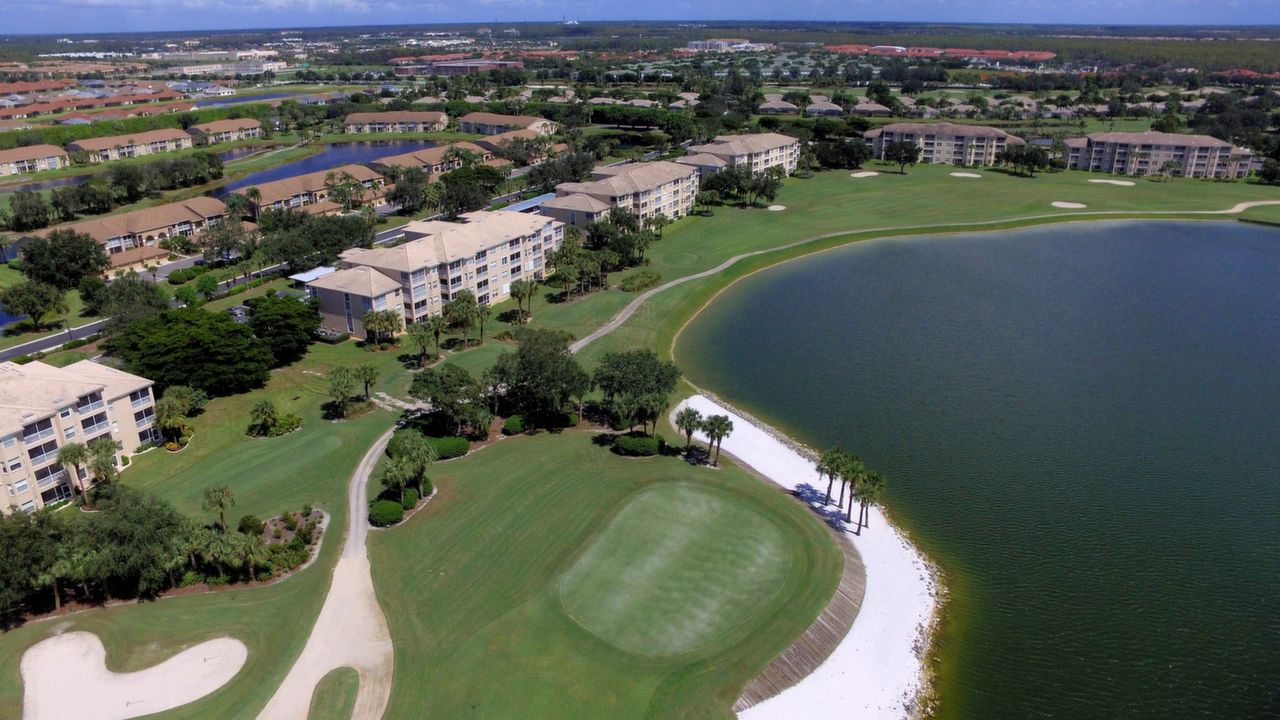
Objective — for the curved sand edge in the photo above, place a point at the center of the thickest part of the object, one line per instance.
(1068, 205)
(877, 671)
(864, 174)
(965, 175)
(777, 208)
(66, 678)
(1119, 183)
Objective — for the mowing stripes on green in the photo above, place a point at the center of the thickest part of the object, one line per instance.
(678, 568)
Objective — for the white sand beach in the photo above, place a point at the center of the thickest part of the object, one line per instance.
(864, 174)
(96, 693)
(777, 208)
(1068, 205)
(1120, 183)
(877, 672)
(965, 175)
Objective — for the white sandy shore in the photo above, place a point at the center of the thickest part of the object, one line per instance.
(877, 671)
(66, 678)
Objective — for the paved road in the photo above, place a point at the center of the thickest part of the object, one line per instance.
(52, 341)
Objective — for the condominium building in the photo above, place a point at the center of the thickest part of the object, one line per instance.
(485, 252)
(310, 193)
(944, 143)
(395, 121)
(32, 158)
(438, 160)
(1145, 153)
(43, 408)
(220, 131)
(647, 189)
(134, 238)
(483, 123)
(116, 147)
(759, 152)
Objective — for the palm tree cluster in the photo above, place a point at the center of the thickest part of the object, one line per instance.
(382, 325)
(865, 486)
(408, 460)
(715, 427)
(342, 385)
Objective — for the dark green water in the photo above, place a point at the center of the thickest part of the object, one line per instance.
(1080, 422)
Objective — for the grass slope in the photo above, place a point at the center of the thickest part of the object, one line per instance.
(335, 695)
(473, 585)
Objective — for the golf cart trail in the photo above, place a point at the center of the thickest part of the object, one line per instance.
(351, 630)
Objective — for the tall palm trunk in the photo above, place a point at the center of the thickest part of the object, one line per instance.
(57, 595)
(840, 502)
(848, 516)
(831, 479)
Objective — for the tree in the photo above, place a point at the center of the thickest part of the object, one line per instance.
(286, 325)
(129, 298)
(102, 459)
(225, 239)
(366, 375)
(452, 392)
(33, 299)
(28, 211)
(263, 416)
(1270, 172)
(541, 375)
(868, 493)
(398, 474)
(132, 540)
(411, 190)
(437, 324)
(636, 384)
(850, 471)
(483, 313)
(63, 258)
(74, 455)
(219, 498)
(717, 428)
(207, 286)
(457, 198)
(411, 446)
(342, 383)
(420, 335)
(688, 421)
(902, 152)
(208, 351)
(522, 291)
(462, 312)
(828, 466)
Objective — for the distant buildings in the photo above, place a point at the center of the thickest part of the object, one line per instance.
(311, 193)
(43, 408)
(758, 152)
(220, 131)
(32, 158)
(395, 121)
(944, 143)
(483, 123)
(1147, 153)
(647, 189)
(115, 147)
(438, 160)
(133, 238)
(727, 45)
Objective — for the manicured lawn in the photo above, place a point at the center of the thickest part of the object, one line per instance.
(523, 591)
(19, 332)
(335, 696)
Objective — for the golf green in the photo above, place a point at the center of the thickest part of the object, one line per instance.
(677, 568)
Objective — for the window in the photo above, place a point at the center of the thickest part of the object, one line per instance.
(47, 475)
(143, 418)
(37, 431)
(21, 486)
(140, 397)
(94, 424)
(13, 464)
(29, 506)
(89, 403)
(11, 441)
(41, 454)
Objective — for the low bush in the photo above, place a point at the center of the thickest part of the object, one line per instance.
(287, 556)
(448, 448)
(307, 509)
(124, 461)
(144, 447)
(385, 513)
(514, 425)
(171, 446)
(189, 578)
(277, 533)
(307, 533)
(637, 445)
(640, 280)
(410, 499)
(427, 487)
(290, 522)
(250, 525)
(15, 264)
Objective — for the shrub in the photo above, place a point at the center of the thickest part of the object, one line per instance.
(513, 426)
(637, 445)
(15, 264)
(410, 499)
(308, 533)
(184, 440)
(450, 447)
(307, 509)
(427, 487)
(641, 280)
(385, 513)
(250, 525)
(277, 533)
(171, 446)
(290, 522)
(124, 461)
(189, 578)
(144, 447)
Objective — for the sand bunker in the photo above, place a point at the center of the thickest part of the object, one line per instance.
(1121, 183)
(864, 173)
(1068, 205)
(965, 174)
(777, 208)
(96, 693)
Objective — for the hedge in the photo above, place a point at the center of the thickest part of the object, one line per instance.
(385, 513)
(448, 448)
(410, 499)
(638, 445)
(514, 425)
(250, 525)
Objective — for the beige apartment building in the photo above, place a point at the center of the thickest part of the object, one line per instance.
(944, 143)
(483, 123)
(759, 151)
(115, 147)
(310, 193)
(220, 131)
(32, 158)
(439, 160)
(485, 252)
(647, 189)
(132, 239)
(396, 121)
(1147, 153)
(43, 408)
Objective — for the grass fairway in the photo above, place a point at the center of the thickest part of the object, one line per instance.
(335, 695)
(677, 569)
(475, 586)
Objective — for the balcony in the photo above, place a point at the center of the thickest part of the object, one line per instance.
(90, 407)
(38, 436)
(96, 428)
(51, 478)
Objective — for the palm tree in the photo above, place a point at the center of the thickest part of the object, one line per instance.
(717, 428)
(263, 416)
(461, 312)
(217, 548)
(437, 326)
(218, 498)
(341, 382)
(75, 455)
(367, 375)
(255, 196)
(483, 311)
(657, 222)
(102, 459)
(868, 493)
(400, 472)
(828, 466)
(251, 552)
(522, 291)
(852, 471)
(688, 421)
(420, 335)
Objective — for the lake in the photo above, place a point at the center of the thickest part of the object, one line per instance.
(1080, 423)
(332, 156)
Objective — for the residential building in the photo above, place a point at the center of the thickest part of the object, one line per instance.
(32, 158)
(310, 193)
(577, 210)
(116, 147)
(495, 143)
(395, 121)
(471, 67)
(944, 143)
(776, 106)
(220, 131)
(483, 123)
(134, 238)
(759, 151)
(43, 408)
(438, 160)
(1146, 153)
(647, 189)
(484, 253)
(706, 163)
(822, 105)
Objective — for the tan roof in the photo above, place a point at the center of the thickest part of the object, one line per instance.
(1159, 138)
(629, 179)
(778, 104)
(435, 242)
(429, 156)
(1076, 142)
(702, 160)
(484, 118)
(397, 116)
(735, 145)
(229, 125)
(140, 222)
(578, 202)
(309, 183)
(945, 128)
(31, 152)
(142, 138)
(362, 281)
(35, 390)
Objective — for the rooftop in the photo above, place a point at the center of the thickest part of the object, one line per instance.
(35, 390)
(142, 138)
(629, 179)
(435, 242)
(362, 281)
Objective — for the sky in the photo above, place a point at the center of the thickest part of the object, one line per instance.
(97, 16)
